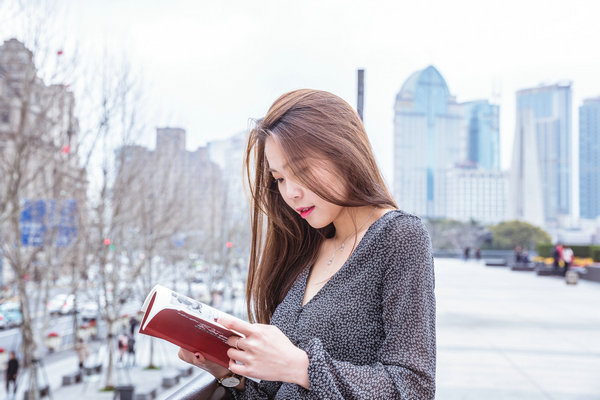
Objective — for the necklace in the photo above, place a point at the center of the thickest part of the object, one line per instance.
(335, 250)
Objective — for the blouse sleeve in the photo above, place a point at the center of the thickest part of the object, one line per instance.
(256, 391)
(405, 366)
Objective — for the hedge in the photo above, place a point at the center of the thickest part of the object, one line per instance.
(596, 253)
(545, 250)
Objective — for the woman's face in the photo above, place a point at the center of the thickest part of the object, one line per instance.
(314, 209)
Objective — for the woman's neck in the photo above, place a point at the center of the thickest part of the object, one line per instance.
(354, 220)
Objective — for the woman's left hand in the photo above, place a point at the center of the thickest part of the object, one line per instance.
(265, 353)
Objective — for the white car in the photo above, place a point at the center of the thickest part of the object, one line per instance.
(61, 304)
(89, 311)
(3, 322)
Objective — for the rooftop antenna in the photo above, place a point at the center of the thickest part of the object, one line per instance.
(360, 93)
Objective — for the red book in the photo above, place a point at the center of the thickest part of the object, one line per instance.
(187, 323)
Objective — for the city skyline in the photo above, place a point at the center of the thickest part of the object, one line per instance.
(209, 67)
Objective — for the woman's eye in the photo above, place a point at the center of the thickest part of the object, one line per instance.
(279, 180)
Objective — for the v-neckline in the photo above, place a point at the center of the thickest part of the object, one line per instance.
(352, 255)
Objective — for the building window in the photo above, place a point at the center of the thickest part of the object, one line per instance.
(4, 116)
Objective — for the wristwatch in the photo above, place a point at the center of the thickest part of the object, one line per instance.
(231, 380)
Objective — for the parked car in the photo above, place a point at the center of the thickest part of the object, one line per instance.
(11, 314)
(3, 322)
(88, 311)
(61, 304)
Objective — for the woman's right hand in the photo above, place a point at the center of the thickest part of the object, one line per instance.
(200, 361)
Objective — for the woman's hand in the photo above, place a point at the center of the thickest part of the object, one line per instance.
(265, 353)
(200, 361)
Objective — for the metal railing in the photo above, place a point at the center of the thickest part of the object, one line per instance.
(203, 387)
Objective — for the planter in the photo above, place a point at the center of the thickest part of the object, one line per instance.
(3, 356)
(85, 333)
(52, 341)
(93, 331)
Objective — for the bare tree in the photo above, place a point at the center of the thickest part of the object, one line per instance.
(39, 176)
(117, 124)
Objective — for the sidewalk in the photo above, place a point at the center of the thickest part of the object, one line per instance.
(165, 355)
(503, 334)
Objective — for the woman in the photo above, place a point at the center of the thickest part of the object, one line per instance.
(340, 286)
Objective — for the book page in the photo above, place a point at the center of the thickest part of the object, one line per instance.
(168, 299)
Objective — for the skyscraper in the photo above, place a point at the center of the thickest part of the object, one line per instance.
(525, 186)
(589, 158)
(544, 113)
(428, 140)
(476, 194)
(483, 134)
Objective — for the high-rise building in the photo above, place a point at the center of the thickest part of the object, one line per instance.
(38, 148)
(428, 139)
(525, 187)
(179, 191)
(543, 134)
(228, 154)
(589, 158)
(483, 134)
(476, 194)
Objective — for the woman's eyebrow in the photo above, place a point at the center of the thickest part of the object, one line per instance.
(285, 166)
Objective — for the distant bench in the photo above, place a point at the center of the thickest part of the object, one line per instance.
(44, 392)
(592, 273)
(496, 262)
(521, 266)
(73, 377)
(170, 379)
(92, 369)
(145, 392)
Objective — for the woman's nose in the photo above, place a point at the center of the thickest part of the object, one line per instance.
(293, 190)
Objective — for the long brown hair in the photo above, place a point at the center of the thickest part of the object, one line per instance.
(313, 128)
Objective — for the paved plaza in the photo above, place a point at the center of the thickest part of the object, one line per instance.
(503, 334)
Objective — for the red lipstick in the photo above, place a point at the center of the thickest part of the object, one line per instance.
(305, 211)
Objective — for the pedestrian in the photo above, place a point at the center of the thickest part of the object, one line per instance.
(557, 257)
(340, 282)
(131, 351)
(12, 371)
(122, 345)
(525, 257)
(82, 350)
(518, 254)
(478, 254)
(466, 253)
(133, 323)
(567, 256)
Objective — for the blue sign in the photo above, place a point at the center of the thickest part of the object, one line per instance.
(41, 217)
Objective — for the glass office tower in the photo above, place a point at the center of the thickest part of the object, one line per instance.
(589, 159)
(549, 108)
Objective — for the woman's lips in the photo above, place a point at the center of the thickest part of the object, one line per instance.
(305, 212)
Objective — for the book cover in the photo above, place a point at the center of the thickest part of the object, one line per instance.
(187, 323)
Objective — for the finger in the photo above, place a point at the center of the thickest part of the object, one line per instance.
(235, 324)
(239, 369)
(238, 355)
(235, 341)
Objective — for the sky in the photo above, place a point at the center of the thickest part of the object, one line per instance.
(210, 66)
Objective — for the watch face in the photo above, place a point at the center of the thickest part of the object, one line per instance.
(230, 381)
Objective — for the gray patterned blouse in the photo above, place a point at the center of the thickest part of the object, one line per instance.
(370, 331)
